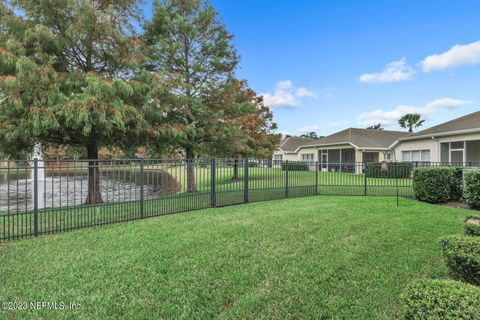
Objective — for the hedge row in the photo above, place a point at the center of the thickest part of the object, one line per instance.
(394, 170)
(441, 299)
(437, 184)
(295, 166)
(472, 188)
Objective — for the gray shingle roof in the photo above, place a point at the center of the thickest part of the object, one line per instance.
(364, 138)
(467, 122)
(291, 144)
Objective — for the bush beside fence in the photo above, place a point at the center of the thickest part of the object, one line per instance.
(472, 188)
(437, 184)
(393, 170)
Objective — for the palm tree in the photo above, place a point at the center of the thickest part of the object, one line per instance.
(410, 121)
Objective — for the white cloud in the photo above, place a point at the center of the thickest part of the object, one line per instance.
(445, 103)
(394, 72)
(280, 99)
(457, 55)
(309, 128)
(286, 95)
(284, 85)
(304, 92)
(391, 117)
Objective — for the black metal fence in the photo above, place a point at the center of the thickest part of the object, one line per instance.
(41, 197)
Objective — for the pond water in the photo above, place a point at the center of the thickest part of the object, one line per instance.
(65, 188)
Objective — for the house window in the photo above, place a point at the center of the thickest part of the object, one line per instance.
(278, 157)
(456, 145)
(307, 157)
(387, 156)
(416, 155)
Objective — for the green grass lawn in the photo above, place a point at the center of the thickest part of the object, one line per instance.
(316, 257)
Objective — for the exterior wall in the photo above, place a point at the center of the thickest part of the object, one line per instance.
(414, 145)
(291, 157)
(437, 152)
(308, 150)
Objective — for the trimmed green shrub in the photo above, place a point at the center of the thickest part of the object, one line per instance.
(437, 184)
(394, 170)
(472, 188)
(441, 299)
(471, 229)
(295, 166)
(462, 254)
(252, 164)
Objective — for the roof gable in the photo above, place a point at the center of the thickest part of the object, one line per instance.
(364, 138)
(291, 144)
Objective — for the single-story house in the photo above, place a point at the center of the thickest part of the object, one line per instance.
(457, 141)
(347, 146)
(288, 148)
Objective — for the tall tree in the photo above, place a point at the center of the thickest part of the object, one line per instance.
(311, 135)
(191, 48)
(410, 121)
(66, 77)
(377, 126)
(247, 127)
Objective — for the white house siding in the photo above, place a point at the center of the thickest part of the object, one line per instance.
(438, 152)
(416, 145)
(308, 150)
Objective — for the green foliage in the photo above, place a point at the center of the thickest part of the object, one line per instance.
(437, 184)
(441, 299)
(410, 121)
(207, 111)
(471, 229)
(472, 188)
(462, 254)
(394, 170)
(73, 82)
(295, 166)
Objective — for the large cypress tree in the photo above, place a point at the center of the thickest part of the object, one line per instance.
(192, 49)
(65, 77)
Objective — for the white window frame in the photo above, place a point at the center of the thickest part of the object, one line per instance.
(309, 155)
(464, 151)
(421, 155)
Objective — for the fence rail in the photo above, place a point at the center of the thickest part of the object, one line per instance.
(41, 197)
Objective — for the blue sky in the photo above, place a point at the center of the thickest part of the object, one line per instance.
(328, 65)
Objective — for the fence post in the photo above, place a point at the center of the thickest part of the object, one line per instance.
(142, 187)
(316, 177)
(213, 177)
(245, 181)
(35, 196)
(364, 178)
(286, 178)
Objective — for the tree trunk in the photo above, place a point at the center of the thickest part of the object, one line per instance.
(94, 194)
(191, 187)
(235, 170)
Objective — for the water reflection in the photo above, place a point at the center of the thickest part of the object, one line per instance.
(64, 188)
